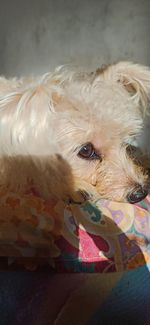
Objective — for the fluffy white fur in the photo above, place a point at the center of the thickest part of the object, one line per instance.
(45, 121)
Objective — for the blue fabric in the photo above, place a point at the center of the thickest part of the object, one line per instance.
(26, 297)
(129, 301)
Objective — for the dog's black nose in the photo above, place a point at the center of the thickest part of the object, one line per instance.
(137, 195)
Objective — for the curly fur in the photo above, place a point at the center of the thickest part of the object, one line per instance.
(54, 115)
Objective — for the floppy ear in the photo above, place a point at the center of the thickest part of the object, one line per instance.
(26, 112)
(135, 79)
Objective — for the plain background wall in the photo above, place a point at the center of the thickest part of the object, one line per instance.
(37, 35)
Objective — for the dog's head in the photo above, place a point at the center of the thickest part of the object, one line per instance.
(98, 119)
(91, 119)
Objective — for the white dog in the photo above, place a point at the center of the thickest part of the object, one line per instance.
(70, 130)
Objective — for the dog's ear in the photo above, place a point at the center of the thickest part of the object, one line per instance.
(134, 78)
(37, 99)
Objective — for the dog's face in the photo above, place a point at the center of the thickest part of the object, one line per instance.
(96, 130)
(91, 119)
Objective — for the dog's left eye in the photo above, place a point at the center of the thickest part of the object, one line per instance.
(88, 152)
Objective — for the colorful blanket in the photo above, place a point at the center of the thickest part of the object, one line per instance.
(95, 237)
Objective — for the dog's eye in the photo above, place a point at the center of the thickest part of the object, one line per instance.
(88, 152)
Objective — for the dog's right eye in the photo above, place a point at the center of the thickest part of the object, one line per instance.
(87, 151)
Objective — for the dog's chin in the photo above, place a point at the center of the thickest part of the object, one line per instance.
(83, 191)
(82, 196)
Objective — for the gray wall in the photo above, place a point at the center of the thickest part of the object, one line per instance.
(37, 35)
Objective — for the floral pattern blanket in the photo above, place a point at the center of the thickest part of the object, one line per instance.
(94, 237)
